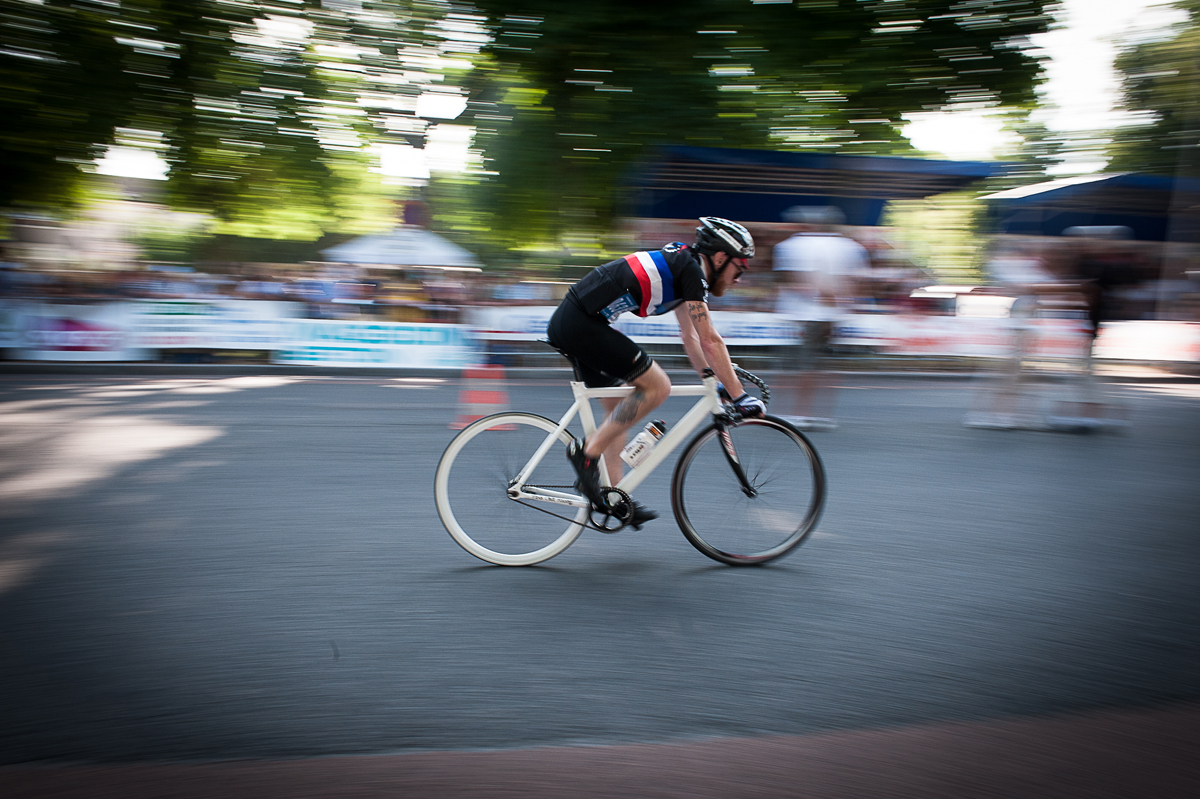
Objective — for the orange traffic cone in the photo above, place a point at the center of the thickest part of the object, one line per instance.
(483, 393)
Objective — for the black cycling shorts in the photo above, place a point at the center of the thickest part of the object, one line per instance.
(602, 356)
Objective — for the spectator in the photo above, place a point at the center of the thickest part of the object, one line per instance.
(1013, 404)
(818, 269)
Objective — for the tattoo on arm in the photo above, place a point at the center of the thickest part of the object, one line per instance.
(697, 311)
(630, 409)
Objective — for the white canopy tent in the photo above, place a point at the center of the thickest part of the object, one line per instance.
(404, 247)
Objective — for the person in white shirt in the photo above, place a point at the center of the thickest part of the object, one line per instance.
(818, 270)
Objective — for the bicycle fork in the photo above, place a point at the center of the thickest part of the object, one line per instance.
(732, 459)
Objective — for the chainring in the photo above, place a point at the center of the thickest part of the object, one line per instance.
(619, 511)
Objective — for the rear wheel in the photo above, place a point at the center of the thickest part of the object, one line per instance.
(471, 491)
(769, 516)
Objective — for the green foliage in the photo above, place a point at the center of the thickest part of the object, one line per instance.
(570, 95)
(1038, 149)
(1161, 82)
(269, 113)
(279, 107)
(265, 112)
(165, 245)
(941, 233)
(63, 90)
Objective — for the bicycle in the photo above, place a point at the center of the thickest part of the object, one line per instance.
(745, 490)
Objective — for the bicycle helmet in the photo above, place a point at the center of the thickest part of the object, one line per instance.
(720, 235)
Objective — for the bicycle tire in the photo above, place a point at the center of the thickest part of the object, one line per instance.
(470, 490)
(726, 524)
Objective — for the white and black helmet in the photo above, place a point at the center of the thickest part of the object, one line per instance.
(720, 235)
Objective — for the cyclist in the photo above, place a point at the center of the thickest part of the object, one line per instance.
(678, 277)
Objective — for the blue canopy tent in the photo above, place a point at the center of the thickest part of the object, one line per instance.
(679, 182)
(1152, 207)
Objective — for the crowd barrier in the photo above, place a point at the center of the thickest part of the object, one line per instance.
(139, 330)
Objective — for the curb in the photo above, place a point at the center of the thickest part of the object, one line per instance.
(1123, 753)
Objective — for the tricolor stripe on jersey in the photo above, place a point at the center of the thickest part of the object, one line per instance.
(653, 275)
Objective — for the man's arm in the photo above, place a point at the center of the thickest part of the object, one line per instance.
(691, 340)
(713, 347)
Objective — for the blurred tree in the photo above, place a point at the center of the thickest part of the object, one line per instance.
(1037, 150)
(266, 113)
(276, 132)
(63, 90)
(272, 115)
(1160, 81)
(939, 233)
(568, 95)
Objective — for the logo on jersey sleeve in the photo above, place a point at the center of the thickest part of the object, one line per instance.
(655, 279)
(620, 305)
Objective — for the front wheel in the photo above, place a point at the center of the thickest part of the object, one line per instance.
(769, 514)
(471, 491)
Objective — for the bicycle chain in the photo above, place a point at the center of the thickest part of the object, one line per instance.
(588, 524)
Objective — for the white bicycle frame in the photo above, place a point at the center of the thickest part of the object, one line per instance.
(704, 409)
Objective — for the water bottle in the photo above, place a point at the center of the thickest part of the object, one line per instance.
(643, 442)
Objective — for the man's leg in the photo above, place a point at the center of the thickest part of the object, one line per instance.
(792, 392)
(650, 390)
(823, 387)
(612, 455)
(807, 389)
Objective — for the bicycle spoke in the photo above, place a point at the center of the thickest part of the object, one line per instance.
(726, 524)
(472, 491)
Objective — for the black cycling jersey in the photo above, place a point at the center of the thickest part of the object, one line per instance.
(646, 283)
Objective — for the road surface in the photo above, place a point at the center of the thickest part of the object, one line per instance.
(252, 568)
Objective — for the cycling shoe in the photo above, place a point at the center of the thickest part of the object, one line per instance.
(587, 474)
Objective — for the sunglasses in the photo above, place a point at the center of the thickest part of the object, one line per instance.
(741, 264)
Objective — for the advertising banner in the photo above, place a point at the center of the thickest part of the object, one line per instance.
(336, 343)
(52, 332)
(738, 329)
(898, 334)
(210, 324)
(136, 330)
(9, 332)
(1149, 341)
(982, 337)
(528, 323)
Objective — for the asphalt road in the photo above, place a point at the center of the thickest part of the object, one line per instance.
(216, 568)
